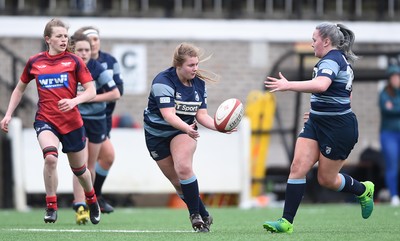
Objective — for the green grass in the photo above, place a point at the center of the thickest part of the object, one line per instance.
(313, 222)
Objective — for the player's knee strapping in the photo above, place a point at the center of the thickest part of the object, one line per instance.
(50, 150)
(79, 171)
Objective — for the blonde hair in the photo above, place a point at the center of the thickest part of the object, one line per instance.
(341, 37)
(184, 50)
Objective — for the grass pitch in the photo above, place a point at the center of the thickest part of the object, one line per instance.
(313, 222)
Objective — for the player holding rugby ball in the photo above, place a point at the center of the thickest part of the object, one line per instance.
(177, 102)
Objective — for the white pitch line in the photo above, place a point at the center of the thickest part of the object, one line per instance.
(94, 231)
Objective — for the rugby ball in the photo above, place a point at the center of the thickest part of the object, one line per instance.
(228, 115)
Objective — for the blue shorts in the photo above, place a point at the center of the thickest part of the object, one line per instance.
(96, 130)
(73, 141)
(336, 135)
(159, 147)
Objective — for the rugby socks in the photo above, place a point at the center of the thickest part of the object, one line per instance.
(202, 208)
(101, 175)
(295, 190)
(51, 202)
(90, 197)
(350, 185)
(190, 189)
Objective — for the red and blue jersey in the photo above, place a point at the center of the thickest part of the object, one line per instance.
(57, 78)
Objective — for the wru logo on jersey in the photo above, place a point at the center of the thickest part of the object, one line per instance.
(49, 81)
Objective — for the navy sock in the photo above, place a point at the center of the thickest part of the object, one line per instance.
(101, 175)
(294, 194)
(202, 208)
(190, 189)
(351, 185)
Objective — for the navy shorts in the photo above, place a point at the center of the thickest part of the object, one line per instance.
(108, 125)
(336, 135)
(159, 147)
(96, 130)
(73, 141)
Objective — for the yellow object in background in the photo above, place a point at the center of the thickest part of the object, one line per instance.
(260, 109)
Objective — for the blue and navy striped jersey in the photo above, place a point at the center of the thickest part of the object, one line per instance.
(104, 83)
(336, 99)
(168, 91)
(112, 66)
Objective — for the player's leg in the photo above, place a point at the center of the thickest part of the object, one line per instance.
(166, 165)
(329, 177)
(182, 151)
(74, 144)
(102, 168)
(336, 144)
(49, 143)
(305, 156)
(79, 204)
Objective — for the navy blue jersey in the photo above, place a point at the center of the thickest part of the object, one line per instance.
(168, 91)
(104, 83)
(112, 66)
(336, 99)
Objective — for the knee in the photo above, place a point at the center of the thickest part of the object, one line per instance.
(106, 158)
(296, 169)
(184, 172)
(79, 171)
(50, 155)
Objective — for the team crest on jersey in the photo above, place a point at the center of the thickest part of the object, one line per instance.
(328, 150)
(50, 81)
(178, 96)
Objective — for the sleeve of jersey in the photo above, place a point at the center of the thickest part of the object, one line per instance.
(328, 68)
(117, 73)
(163, 93)
(26, 77)
(105, 79)
(106, 82)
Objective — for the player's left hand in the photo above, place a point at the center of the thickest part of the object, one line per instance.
(277, 84)
(65, 105)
